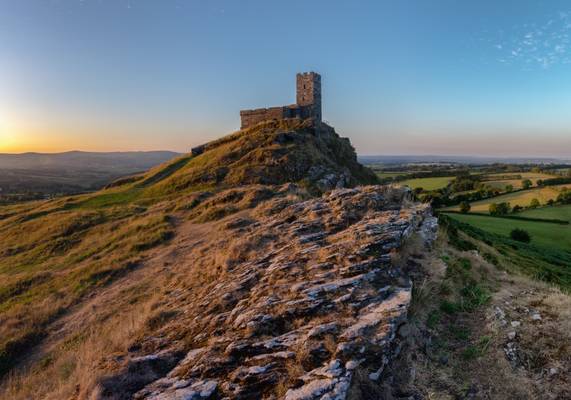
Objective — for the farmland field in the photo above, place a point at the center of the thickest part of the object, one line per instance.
(542, 233)
(389, 174)
(516, 183)
(557, 212)
(429, 183)
(521, 198)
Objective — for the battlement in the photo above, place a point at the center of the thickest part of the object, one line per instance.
(308, 106)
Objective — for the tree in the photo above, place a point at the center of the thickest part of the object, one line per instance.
(564, 197)
(550, 202)
(526, 183)
(534, 203)
(509, 188)
(517, 208)
(465, 207)
(497, 209)
(520, 235)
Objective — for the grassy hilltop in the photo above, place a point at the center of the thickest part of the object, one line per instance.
(57, 256)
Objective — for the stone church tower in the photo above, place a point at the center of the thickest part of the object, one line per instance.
(309, 95)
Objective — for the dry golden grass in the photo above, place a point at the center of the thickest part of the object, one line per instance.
(72, 368)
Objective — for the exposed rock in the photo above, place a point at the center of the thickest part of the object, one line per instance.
(326, 298)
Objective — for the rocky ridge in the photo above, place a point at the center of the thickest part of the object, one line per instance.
(299, 320)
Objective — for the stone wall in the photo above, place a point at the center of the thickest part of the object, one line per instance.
(308, 86)
(253, 117)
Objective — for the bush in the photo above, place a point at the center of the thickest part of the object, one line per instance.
(526, 183)
(499, 208)
(465, 207)
(520, 235)
(517, 208)
(534, 203)
(564, 197)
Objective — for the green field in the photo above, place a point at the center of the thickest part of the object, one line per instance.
(557, 212)
(542, 233)
(521, 198)
(390, 174)
(429, 183)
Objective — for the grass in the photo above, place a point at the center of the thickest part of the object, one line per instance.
(432, 183)
(478, 349)
(562, 212)
(391, 174)
(543, 259)
(542, 233)
(113, 198)
(54, 255)
(52, 262)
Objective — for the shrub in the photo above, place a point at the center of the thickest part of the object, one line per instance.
(517, 208)
(520, 235)
(449, 307)
(526, 183)
(473, 296)
(564, 197)
(499, 209)
(465, 207)
(534, 203)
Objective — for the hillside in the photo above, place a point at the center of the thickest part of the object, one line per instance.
(89, 276)
(270, 153)
(254, 270)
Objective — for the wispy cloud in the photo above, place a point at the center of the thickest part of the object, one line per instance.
(536, 45)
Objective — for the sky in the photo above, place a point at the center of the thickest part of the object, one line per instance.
(439, 77)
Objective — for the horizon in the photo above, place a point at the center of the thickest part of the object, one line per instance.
(442, 156)
(415, 79)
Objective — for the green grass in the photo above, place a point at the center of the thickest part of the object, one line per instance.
(555, 212)
(546, 258)
(115, 198)
(542, 233)
(391, 174)
(478, 349)
(433, 183)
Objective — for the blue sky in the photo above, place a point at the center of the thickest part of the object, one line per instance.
(484, 77)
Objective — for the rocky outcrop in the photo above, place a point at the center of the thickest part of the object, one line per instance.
(299, 320)
(270, 153)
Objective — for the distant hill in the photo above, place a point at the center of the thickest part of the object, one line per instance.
(71, 172)
(474, 160)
